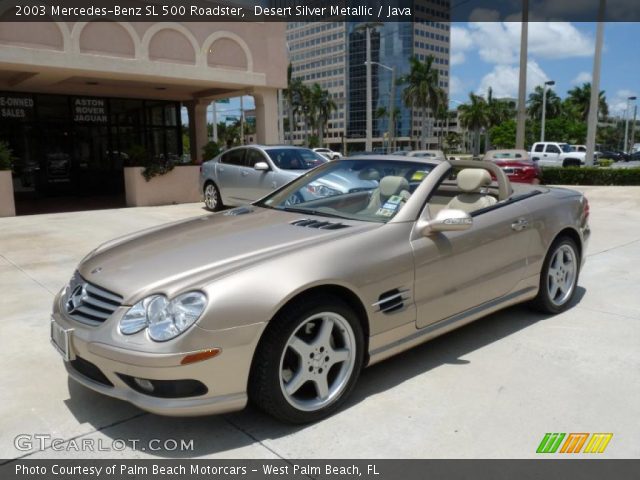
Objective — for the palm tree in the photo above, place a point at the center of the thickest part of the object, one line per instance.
(422, 90)
(579, 100)
(293, 95)
(474, 117)
(323, 107)
(536, 98)
(498, 111)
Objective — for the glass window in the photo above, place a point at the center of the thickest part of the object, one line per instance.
(254, 156)
(367, 190)
(234, 157)
(552, 149)
(539, 147)
(295, 158)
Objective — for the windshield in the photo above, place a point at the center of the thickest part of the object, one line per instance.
(368, 190)
(295, 158)
(566, 147)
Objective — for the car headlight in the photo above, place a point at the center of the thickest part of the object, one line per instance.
(322, 190)
(165, 319)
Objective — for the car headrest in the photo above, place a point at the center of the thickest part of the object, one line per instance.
(472, 179)
(369, 174)
(393, 185)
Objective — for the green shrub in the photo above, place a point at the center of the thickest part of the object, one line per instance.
(210, 151)
(6, 155)
(591, 176)
(605, 162)
(139, 157)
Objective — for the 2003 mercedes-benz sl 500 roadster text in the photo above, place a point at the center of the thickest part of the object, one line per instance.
(284, 304)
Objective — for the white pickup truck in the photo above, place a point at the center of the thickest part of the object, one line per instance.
(556, 154)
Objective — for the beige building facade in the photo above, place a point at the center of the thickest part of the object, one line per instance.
(75, 97)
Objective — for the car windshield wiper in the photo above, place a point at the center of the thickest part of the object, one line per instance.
(311, 212)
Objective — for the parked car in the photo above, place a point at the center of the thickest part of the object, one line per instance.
(431, 154)
(243, 174)
(615, 155)
(555, 154)
(516, 165)
(327, 152)
(284, 305)
(579, 148)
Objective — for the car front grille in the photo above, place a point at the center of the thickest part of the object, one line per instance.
(88, 303)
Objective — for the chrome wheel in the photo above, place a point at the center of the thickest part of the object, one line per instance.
(317, 361)
(562, 274)
(211, 196)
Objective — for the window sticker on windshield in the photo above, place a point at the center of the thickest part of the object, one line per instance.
(385, 212)
(418, 176)
(394, 199)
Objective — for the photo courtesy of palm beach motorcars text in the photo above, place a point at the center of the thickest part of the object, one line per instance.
(319, 239)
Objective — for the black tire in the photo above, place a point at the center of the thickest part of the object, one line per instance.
(571, 162)
(265, 389)
(544, 302)
(215, 205)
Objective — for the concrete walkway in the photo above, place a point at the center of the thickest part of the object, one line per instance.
(489, 390)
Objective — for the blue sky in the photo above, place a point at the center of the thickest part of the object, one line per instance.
(486, 54)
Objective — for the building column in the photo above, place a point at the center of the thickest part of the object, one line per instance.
(198, 135)
(266, 101)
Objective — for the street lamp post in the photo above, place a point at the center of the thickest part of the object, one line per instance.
(392, 101)
(367, 27)
(550, 83)
(625, 147)
(522, 83)
(592, 120)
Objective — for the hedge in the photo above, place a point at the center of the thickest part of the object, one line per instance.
(590, 176)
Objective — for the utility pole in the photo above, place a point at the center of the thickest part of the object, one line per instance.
(392, 110)
(592, 122)
(241, 120)
(522, 88)
(626, 148)
(633, 126)
(214, 121)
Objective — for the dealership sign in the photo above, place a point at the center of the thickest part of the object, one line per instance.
(89, 110)
(16, 107)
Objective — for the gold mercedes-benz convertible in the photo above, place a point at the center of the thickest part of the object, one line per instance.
(284, 302)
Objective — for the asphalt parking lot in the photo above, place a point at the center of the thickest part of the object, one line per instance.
(489, 390)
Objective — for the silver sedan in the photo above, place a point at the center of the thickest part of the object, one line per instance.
(242, 175)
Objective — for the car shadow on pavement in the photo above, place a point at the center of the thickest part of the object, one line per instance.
(226, 434)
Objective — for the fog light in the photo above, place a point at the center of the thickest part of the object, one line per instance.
(144, 384)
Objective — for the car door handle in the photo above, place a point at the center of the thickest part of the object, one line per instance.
(245, 173)
(520, 225)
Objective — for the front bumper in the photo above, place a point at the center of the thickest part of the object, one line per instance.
(224, 376)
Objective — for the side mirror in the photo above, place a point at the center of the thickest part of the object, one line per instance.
(448, 220)
(261, 166)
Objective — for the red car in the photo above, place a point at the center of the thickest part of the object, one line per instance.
(516, 165)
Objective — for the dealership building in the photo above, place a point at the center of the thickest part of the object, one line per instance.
(77, 98)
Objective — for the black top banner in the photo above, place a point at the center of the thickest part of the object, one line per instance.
(322, 10)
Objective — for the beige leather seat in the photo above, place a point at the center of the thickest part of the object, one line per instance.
(389, 186)
(471, 181)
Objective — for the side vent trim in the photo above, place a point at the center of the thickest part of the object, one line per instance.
(392, 301)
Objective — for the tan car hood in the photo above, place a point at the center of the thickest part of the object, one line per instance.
(194, 252)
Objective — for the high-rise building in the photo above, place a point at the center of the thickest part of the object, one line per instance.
(333, 54)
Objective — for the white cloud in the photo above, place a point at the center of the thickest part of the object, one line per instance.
(499, 42)
(461, 42)
(618, 103)
(504, 80)
(456, 86)
(582, 77)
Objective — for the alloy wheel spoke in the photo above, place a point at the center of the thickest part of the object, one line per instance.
(293, 385)
(299, 346)
(339, 356)
(323, 339)
(322, 386)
